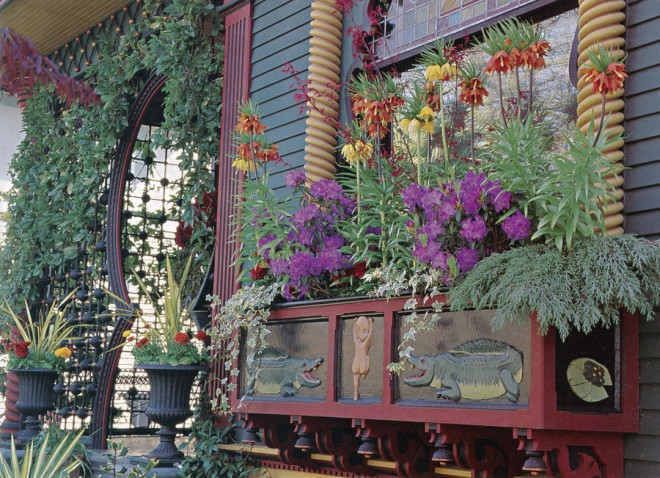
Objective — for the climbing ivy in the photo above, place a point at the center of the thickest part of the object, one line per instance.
(60, 168)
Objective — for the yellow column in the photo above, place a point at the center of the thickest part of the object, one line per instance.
(324, 77)
(601, 22)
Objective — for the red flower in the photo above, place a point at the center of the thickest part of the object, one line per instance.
(250, 124)
(183, 234)
(19, 348)
(258, 272)
(532, 56)
(142, 342)
(181, 338)
(359, 270)
(203, 337)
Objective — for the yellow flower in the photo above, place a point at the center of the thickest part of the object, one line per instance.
(244, 165)
(64, 352)
(440, 72)
(433, 73)
(126, 333)
(404, 124)
(429, 127)
(363, 149)
(414, 125)
(448, 71)
(426, 114)
(348, 152)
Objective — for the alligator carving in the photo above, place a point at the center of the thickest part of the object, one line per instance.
(476, 370)
(272, 371)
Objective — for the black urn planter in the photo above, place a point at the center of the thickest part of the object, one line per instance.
(35, 398)
(169, 405)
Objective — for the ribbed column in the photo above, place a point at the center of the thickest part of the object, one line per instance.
(601, 22)
(324, 78)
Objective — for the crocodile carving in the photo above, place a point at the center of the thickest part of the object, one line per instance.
(479, 369)
(272, 371)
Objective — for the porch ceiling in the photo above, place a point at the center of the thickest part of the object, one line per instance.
(50, 23)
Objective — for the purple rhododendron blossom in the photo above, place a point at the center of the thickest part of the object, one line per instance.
(303, 264)
(304, 215)
(473, 229)
(326, 189)
(335, 241)
(467, 258)
(332, 260)
(431, 254)
(295, 178)
(470, 192)
(438, 206)
(413, 195)
(279, 266)
(500, 198)
(517, 226)
(432, 230)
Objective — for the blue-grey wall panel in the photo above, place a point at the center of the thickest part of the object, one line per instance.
(642, 210)
(281, 35)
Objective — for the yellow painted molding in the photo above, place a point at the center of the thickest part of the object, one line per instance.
(601, 23)
(450, 472)
(324, 78)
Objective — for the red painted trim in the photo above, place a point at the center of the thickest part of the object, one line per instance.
(539, 413)
(236, 72)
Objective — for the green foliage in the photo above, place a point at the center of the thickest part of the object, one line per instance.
(247, 310)
(203, 458)
(116, 452)
(378, 234)
(52, 436)
(60, 167)
(580, 288)
(50, 460)
(561, 191)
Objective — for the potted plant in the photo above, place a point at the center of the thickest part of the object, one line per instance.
(37, 356)
(171, 360)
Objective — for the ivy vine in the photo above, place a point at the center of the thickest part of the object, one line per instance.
(60, 168)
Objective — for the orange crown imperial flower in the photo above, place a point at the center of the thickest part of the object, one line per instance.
(472, 92)
(604, 71)
(500, 62)
(250, 124)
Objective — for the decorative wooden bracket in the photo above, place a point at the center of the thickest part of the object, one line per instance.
(576, 455)
(403, 444)
(278, 432)
(333, 437)
(488, 451)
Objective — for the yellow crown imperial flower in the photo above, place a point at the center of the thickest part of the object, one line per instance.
(363, 149)
(244, 165)
(440, 72)
(349, 153)
(433, 73)
(426, 114)
(64, 352)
